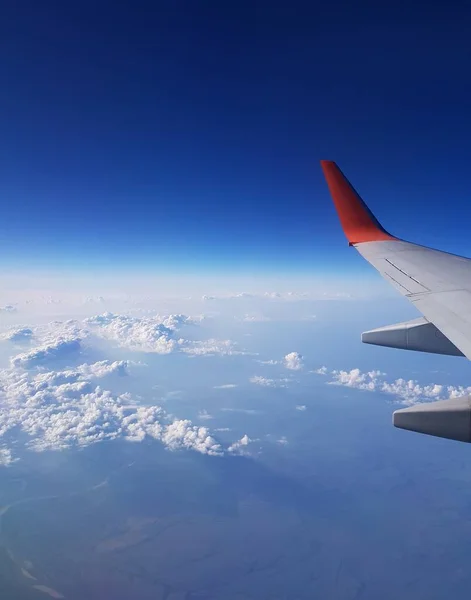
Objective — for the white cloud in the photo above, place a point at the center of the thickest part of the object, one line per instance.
(58, 409)
(301, 407)
(293, 361)
(225, 386)
(182, 434)
(255, 318)
(6, 457)
(240, 444)
(355, 378)
(62, 347)
(19, 334)
(267, 382)
(145, 334)
(210, 347)
(204, 415)
(407, 391)
(321, 371)
(57, 404)
(280, 296)
(282, 441)
(104, 368)
(269, 362)
(157, 334)
(246, 411)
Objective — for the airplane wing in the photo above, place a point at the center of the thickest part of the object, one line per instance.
(437, 283)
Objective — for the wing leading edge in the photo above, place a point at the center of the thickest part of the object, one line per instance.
(437, 283)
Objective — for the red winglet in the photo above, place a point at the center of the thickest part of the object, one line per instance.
(358, 223)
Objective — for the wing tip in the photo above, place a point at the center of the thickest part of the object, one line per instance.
(358, 222)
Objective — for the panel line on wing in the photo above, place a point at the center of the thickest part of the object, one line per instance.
(407, 275)
(408, 292)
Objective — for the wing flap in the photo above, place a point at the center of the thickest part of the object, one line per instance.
(450, 312)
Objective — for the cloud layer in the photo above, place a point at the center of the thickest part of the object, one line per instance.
(45, 404)
(156, 334)
(60, 409)
(145, 334)
(407, 391)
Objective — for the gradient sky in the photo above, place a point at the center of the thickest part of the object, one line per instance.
(186, 135)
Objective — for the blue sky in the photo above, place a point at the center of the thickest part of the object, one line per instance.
(185, 137)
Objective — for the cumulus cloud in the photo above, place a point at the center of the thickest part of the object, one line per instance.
(282, 441)
(321, 371)
(239, 446)
(293, 361)
(355, 378)
(407, 391)
(6, 457)
(58, 409)
(157, 334)
(55, 405)
(19, 334)
(182, 434)
(103, 368)
(301, 407)
(146, 334)
(62, 347)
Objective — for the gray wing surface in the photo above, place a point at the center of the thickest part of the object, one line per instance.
(437, 283)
